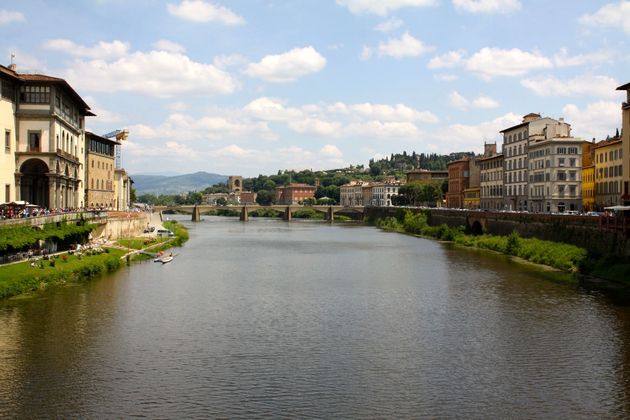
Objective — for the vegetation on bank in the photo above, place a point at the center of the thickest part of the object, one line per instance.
(554, 254)
(22, 237)
(181, 233)
(28, 276)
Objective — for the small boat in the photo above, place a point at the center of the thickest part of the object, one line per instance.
(165, 260)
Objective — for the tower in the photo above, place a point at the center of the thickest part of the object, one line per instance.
(235, 184)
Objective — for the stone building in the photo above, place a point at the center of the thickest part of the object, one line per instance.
(43, 121)
(382, 193)
(235, 184)
(426, 176)
(555, 175)
(491, 184)
(458, 181)
(100, 171)
(351, 194)
(625, 139)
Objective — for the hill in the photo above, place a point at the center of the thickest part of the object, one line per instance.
(161, 184)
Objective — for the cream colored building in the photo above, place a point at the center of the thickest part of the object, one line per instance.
(555, 175)
(100, 171)
(609, 158)
(351, 194)
(44, 147)
(122, 190)
(491, 192)
(625, 138)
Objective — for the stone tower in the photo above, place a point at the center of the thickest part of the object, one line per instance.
(235, 184)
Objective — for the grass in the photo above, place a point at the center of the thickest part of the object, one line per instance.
(22, 277)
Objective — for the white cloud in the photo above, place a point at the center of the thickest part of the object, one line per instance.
(332, 151)
(9, 16)
(612, 14)
(204, 11)
(383, 130)
(491, 62)
(271, 109)
(597, 120)
(156, 73)
(103, 115)
(585, 85)
(449, 60)
(485, 102)
(170, 46)
(389, 25)
(471, 137)
(488, 6)
(382, 7)
(458, 101)
(288, 66)
(25, 61)
(316, 126)
(102, 50)
(398, 112)
(563, 59)
(405, 46)
(231, 60)
(366, 53)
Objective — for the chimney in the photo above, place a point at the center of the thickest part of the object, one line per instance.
(13, 67)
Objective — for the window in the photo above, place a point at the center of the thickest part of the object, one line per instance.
(560, 161)
(572, 162)
(7, 193)
(35, 94)
(7, 142)
(562, 176)
(33, 141)
(572, 175)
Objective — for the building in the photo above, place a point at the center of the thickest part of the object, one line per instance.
(382, 193)
(491, 182)
(608, 173)
(122, 190)
(588, 176)
(516, 141)
(235, 184)
(248, 197)
(222, 198)
(555, 175)
(100, 171)
(472, 198)
(294, 193)
(625, 139)
(426, 176)
(351, 194)
(458, 181)
(43, 120)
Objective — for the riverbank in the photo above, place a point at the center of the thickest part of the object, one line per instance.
(568, 258)
(62, 268)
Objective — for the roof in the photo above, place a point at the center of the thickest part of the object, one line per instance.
(624, 87)
(604, 143)
(498, 155)
(42, 78)
(101, 138)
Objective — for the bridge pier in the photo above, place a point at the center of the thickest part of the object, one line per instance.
(331, 215)
(244, 214)
(287, 214)
(196, 214)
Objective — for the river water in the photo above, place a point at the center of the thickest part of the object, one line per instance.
(306, 320)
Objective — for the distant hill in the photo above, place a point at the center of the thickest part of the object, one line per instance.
(161, 184)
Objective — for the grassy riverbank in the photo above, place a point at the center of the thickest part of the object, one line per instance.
(562, 256)
(22, 277)
(64, 268)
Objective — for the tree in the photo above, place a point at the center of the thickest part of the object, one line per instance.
(132, 195)
(221, 201)
(265, 197)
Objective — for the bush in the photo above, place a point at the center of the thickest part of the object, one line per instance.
(513, 243)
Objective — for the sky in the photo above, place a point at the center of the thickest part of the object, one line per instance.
(248, 87)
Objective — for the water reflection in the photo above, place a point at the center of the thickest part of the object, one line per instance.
(310, 320)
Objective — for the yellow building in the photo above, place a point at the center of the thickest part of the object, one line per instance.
(472, 198)
(608, 172)
(100, 175)
(588, 176)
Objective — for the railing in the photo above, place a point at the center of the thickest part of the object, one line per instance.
(615, 223)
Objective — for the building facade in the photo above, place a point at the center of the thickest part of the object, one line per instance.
(555, 175)
(426, 176)
(122, 190)
(43, 121)
(351, 194)
(588, 176)
(458, 181)
(100, 171)
(382, 193)
(294, 193)
(491, 182)
(472, 198)
(625, 139)
(609, 159)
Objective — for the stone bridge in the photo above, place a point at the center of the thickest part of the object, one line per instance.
(244, 210)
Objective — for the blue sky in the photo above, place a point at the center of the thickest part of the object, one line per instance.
(253, 86)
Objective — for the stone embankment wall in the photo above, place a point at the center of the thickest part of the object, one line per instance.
(582, 231)
(120, 226)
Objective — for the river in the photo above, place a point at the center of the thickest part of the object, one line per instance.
(307, 320)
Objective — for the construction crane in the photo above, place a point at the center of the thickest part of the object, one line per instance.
(118, 134)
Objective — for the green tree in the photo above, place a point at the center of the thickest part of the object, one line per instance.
(265, 197)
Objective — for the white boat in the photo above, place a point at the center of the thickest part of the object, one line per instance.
(165, 260)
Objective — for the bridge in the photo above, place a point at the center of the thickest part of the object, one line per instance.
(245, 209)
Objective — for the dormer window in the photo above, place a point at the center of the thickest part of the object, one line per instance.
(35, 94)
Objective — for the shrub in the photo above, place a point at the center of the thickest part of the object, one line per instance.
(513, 243)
